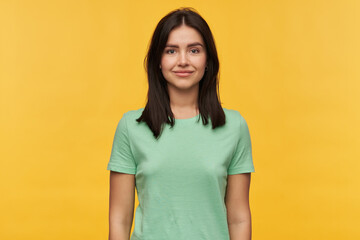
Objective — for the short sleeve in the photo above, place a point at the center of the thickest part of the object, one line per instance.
(242, 161)
(121, 159)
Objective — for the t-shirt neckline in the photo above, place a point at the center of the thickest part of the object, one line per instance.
(187, 120)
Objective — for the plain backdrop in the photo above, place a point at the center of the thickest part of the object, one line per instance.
(70, 69)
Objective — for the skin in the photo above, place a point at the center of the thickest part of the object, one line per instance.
(237, 205)
(121, 205)
(177, 56)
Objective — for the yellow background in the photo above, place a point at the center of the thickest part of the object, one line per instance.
(70, 69)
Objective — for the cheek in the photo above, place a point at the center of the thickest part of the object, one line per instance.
(201, 65)
(201, 62)
(163, 62)
(167, 62)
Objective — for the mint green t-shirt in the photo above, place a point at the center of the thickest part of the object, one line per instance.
(181, 178)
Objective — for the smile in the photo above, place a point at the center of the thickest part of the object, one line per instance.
(183, 74)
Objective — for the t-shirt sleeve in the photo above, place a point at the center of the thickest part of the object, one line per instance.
(121, 159)
(242, 161)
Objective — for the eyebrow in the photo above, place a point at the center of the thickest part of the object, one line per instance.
(189, 45)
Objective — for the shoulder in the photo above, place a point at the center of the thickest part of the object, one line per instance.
(233, 116)
(130, 117)
(239, 125)
(133, 114)
(236, 121)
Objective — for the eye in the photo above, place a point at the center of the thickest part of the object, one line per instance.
(171, 51)
(196, 50)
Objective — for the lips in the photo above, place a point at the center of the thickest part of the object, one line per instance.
(183, 73)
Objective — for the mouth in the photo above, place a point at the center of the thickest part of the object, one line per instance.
(183, 73)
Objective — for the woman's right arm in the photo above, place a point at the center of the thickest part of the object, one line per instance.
(121, 205)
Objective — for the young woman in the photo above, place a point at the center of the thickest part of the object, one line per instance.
(192, 177)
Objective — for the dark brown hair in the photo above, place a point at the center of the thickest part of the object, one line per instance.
(157, 110)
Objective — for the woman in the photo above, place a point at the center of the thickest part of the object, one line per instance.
(192, 178)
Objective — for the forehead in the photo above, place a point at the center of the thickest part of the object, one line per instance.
(184, 35)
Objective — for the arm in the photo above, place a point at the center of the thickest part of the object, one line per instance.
(121, 205)
(237, 205)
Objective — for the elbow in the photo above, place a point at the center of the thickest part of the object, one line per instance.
(239, 217)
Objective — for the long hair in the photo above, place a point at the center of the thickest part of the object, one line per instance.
(157, 110)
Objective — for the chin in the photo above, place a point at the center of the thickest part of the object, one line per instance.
(185, 86)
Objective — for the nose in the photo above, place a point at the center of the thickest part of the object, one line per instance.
(183, 59)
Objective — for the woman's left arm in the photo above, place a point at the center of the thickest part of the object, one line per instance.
(237, 205)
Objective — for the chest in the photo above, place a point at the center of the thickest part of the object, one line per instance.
(184, 153)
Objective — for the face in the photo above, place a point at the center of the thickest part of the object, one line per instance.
(183, 60)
